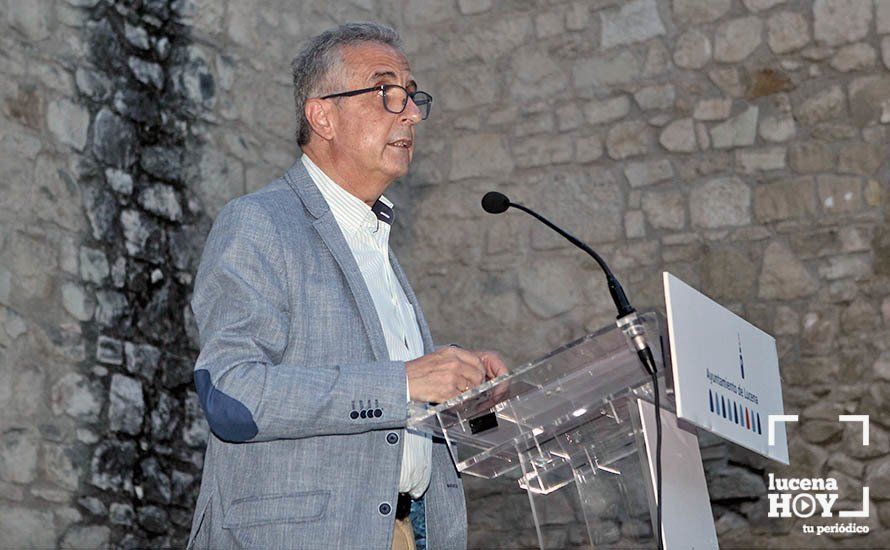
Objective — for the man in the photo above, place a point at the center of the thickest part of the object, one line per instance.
(312, 341)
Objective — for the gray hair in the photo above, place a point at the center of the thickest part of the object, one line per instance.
(319, 65)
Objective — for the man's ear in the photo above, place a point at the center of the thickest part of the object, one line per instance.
(319, 117)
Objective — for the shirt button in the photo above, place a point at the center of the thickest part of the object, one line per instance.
(384, 508)
(392, 438)
(377, 413)
(353, 415)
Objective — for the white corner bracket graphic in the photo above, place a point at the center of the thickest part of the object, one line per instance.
(771, 425)
(858, 513)
(857, 418)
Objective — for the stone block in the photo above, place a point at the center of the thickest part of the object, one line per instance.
(728, 80)
(155, 482)
(786, 32)
(838, 22)
(628, 139)
(126, 405)
(22, 527)
(114, 140)
(760, 160)
(606, 110)
(536, 76)
(694, 12)
(59, 467)
(18, 455)
(734, 482)
(761, 5)
(164, 418)
(147, 72)
(121, 513)
(92, 84)
(855, 266)
(783, 276)
(659, 96)
(109, 351)
(870, 103)
(78, 302)
(164, 163)
(195, 430)
(634, 224)
(737, 39)
(548, 23)
(839, 194)
(712, 109)
(473, 7)
(101, 210)
(577, 16)
(665, 209)
(162, 200)
(93, 265)
(86, 536)
(822, 105)
(679, 136)
(738, 131)
(76, 396)
(692, 50)
(479, 155)
(144, 238)
(68, 122)
(777, 127)
(542, 150)
(111, 308)
(634, 21)
(606, 70)
(861, 158)
(644, 173)
(811, 157)
(785, 200)
(854, 57)
(142, 359)
(720, 202)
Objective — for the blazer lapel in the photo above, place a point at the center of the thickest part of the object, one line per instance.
(326, 226)
(409, 292)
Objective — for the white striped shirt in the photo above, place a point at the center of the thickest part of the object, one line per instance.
(368, 238)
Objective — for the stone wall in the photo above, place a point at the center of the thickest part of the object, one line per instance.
(739, 144)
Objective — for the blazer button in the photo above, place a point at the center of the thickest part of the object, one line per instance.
(378, 413)
(353, 415)
(392, 438)
(384, 508)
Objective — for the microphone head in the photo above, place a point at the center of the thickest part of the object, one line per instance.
(495, 203)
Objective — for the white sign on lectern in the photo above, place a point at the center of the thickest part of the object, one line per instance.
(726, 371)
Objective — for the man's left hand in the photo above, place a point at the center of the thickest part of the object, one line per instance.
(494, 365)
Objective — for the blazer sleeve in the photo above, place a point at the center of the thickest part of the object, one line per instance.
(240, 303)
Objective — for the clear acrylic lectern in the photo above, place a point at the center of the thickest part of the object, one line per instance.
(569, 417)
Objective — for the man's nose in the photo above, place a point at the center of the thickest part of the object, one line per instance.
(412, 113)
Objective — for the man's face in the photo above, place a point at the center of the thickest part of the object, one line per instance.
(370, 140)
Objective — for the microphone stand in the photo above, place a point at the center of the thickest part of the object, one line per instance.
(628, 321)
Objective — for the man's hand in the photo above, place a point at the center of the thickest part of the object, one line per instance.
(450, 371)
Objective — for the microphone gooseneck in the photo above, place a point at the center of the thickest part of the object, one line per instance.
(496, 203)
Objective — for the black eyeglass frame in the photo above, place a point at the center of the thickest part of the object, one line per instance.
(425, 113)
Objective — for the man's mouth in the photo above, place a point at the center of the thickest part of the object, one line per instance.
(403, 143)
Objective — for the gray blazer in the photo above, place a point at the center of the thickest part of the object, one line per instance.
(306, 410)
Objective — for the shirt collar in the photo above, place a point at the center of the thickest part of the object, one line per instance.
(350, 211)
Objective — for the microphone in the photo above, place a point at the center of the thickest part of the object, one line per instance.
(628, 320)
(495, 203)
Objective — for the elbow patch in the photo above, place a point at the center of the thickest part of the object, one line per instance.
(229, 419)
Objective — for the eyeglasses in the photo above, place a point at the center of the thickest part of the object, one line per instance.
(395, 98)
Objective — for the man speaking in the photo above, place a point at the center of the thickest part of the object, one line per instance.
(312, 341)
